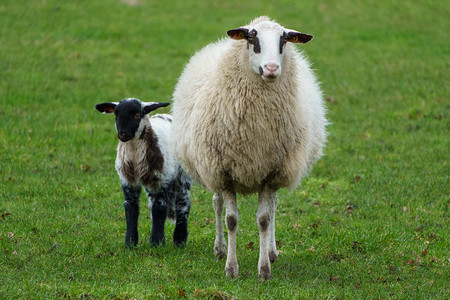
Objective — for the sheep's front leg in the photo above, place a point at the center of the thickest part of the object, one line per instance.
(158, 210)
(131, 205)
(265, 219)
(220, 245)
(182, 207)
(232, 221)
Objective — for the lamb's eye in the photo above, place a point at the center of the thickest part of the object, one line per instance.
(137, 116)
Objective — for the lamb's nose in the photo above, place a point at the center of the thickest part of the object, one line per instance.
(271, 67)
(122, 135)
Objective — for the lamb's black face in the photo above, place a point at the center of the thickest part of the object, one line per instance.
(128, 118)
(129, 115)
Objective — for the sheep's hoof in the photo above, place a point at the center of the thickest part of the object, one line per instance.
(220, 249)
(219, 252)
(232, 272)
(264, 273)
(273, 256)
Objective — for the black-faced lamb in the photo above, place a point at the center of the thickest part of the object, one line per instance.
(145, 159)
(249, 118)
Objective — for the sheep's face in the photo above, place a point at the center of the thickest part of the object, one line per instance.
(129, 115)
(266, 46)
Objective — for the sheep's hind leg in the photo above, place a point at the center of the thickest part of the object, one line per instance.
(232, 221)
(131, 205)
(182, 207)
(158, 208)
(265, 217)
(220, 245)
(273, 255)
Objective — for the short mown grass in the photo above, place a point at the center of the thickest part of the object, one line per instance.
(371, 221)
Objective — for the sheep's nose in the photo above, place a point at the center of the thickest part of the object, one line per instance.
(271, 67)
(270, 71)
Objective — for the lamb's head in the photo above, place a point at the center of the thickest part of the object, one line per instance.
(130, 114)
(266, 43)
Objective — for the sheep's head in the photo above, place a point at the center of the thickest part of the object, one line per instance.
(266, 46)
(129, 115)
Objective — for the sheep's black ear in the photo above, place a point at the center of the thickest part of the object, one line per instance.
(107, 107)
(297, 37)
(238, 34)
(151, 106)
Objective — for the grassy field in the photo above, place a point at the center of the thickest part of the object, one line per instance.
(370, 222)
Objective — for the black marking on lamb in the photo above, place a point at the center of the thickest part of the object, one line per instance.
(182, 208)
(131, 204)
(127, 171)
(159, 214)
(173, 201)
(154, 157)
(126, 121)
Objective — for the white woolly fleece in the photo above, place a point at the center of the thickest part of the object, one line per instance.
(233, 130)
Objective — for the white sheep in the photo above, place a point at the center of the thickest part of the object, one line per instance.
(249, 117)
(145, 159)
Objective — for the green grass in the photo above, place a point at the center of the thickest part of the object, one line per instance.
(371, 221)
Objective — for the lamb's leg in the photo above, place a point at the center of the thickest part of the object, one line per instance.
(232, 221)
(273, 255)
(131, 205)
(220, 245)
(264, 219)
(158, 208)
(182, 207)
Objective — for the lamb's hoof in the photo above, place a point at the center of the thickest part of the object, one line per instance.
(180, 240)
(180, 244)
(157, 242)
(264, 273)
(273, 256)
(232, 272)
(129, 244)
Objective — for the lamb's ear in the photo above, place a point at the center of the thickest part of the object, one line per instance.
(107, 107)
(151, 106)
(238, 34)
(297, 37)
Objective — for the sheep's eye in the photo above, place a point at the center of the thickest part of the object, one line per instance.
(137, 116)
(251, 37)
